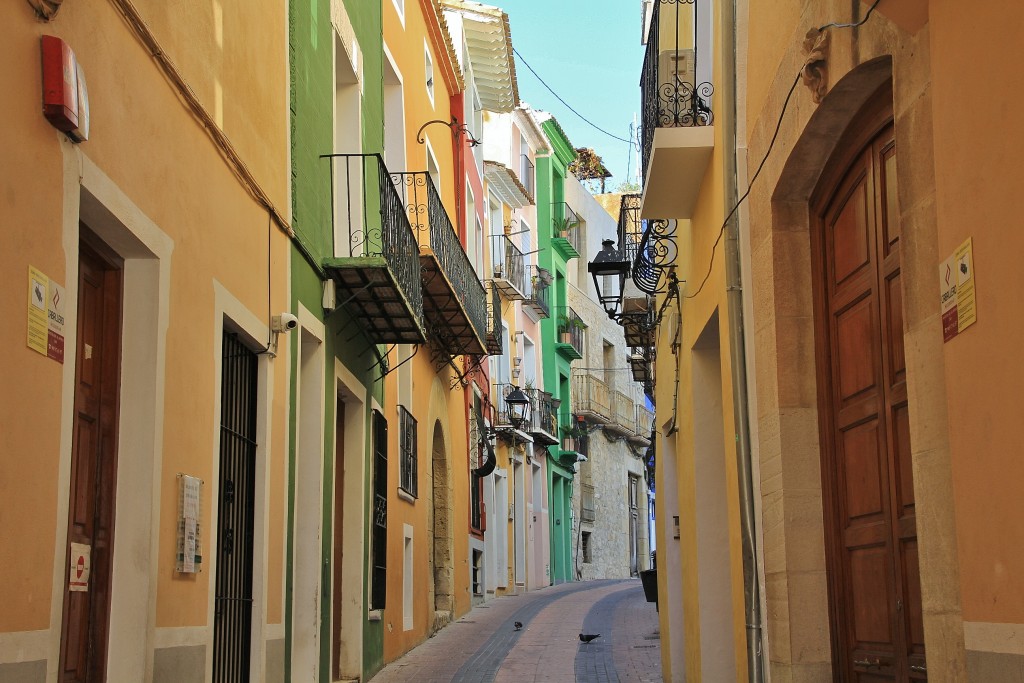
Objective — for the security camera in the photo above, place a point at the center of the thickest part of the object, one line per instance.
(284, 322)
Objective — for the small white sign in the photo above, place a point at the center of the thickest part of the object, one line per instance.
(78, 580)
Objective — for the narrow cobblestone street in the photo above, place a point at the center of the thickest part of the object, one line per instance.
(484, 646)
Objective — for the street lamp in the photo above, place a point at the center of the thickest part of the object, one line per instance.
(518, 407)
(609, 270)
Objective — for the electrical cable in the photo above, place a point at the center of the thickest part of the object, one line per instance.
(739, 202)
(855, 24)
(559, 98)
(771, 145)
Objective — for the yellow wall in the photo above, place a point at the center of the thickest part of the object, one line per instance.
(977, 167)
(431, 389)
(143, 139)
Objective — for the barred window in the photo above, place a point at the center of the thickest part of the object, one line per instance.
(408, 451)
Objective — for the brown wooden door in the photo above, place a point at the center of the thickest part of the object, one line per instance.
(875, 592)
(86, 614)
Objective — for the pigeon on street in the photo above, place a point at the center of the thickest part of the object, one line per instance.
(518, 625)
(587, 637)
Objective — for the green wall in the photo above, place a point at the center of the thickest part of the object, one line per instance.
(311, 53)
(551, 174)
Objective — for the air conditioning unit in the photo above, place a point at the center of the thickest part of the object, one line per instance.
(677, 66)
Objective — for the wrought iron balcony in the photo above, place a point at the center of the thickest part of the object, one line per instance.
(543, 416)
(509, 273)
(494, 336)
(376, 269)
(677, 134)
(527, 174)
(566, 235)
(644, 425)
(641, 363)
(591, 398)
(623, 415)
(575, 440)
(453, 295)
(537, 292)
(588, 512)
(570, 333)
(670, 96)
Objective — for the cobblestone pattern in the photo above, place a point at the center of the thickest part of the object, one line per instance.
(483, 646)
(595, 660)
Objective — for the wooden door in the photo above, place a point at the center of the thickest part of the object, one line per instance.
(875, 593)
(86, 612)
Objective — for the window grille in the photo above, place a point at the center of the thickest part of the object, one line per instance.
(379, 532)
(408, 451)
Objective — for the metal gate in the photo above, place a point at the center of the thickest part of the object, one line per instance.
(232, 625)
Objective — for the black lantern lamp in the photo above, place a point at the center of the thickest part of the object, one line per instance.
(609, 270)
(518, 407)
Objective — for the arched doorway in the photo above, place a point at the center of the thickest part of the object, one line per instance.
(868, 493)
(441, 556)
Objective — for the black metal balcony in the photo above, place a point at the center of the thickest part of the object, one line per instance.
(494, 336)
(454, 301)
(527, 175)
(670, 96)
(649, 245)
(538, 297)
(508, 267)
(376, 269)
(570, 333)
(566, 235)
(543, 416)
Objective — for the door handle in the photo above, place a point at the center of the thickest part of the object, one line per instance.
(918, 667)
(867, 663)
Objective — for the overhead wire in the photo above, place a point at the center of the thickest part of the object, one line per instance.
(569, 106)
(771, 146)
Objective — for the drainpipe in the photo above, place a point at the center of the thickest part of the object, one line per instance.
(741, 414)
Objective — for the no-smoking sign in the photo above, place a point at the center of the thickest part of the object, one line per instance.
(78, 581)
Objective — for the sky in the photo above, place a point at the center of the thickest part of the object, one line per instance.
(589, 52)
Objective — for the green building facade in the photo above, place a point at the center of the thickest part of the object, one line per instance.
(560, 334)
(336, 107)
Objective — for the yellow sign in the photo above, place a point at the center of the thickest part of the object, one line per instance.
(956, 284)
(38, 319)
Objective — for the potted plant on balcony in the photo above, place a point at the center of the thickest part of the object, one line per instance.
(563, 226)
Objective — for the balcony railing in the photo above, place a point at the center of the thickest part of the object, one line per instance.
(644, 424)
(494, 336)
(508, 267)
(376, 267)
(588, 512)
(537, 292)
(543, 416)
(565, 230)
(456, 304)
(623, 415)
(670, 95)
(570, 333)
(591, 398)
(527, 174)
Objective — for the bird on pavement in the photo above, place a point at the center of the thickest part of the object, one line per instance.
(587, 637)
(518, 625)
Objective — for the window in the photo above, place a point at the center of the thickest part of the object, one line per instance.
(428, 71)
(407, 448)
(585, 542)
(476, 522)
(379, 532)
(478, 573)
(634, 483)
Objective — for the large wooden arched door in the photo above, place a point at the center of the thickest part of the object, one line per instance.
(871, 542)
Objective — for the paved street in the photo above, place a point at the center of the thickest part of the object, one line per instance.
(484, 646)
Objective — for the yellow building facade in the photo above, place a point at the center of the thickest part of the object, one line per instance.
(160, 242)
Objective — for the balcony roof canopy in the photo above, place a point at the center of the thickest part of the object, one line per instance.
(489, 41)
(506, 185)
